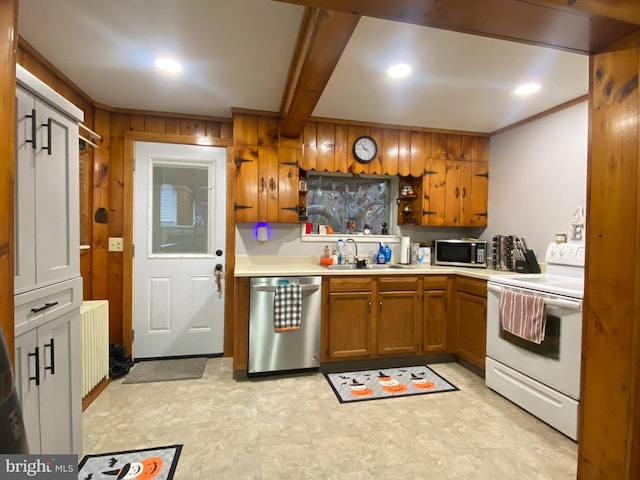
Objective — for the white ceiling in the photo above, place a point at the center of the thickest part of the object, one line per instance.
(236, 53)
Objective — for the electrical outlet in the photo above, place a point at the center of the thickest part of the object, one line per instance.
(116, 244)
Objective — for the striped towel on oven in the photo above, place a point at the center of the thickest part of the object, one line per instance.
(287, 307)
(523, 315)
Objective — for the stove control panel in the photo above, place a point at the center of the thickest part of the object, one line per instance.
(572, 254)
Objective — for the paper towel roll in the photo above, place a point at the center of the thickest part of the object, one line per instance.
(405, 250)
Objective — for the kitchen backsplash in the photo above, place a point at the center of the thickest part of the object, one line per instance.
(285, 240)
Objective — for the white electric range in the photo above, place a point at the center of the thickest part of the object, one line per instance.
(544, 379)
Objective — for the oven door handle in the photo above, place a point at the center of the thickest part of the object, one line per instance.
(551, 302)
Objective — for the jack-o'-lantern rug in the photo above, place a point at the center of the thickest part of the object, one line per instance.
(148, 464)
(387, 383)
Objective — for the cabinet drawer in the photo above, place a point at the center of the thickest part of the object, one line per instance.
(39, 306)
(350, 284)
(392, 284)
(435, 282)
(473, 286)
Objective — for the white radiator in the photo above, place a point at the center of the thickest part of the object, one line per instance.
(94, 316)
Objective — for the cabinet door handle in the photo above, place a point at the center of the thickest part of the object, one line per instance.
(457, 192)
(44, 307)
(464, 192)
(36, 354)
(33, 128)
(380, 306)
(52, 358)
(272, 185)
(262, 184)
(369, 307)
(48, 125)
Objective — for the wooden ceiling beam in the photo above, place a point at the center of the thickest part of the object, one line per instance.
(624, 10)
(581, 26)
(322, 38)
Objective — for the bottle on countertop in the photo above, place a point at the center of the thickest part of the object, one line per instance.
(387, 253)
(340, 251)
(381, 258)
(327, 252)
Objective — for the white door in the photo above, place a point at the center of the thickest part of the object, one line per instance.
(179, 235)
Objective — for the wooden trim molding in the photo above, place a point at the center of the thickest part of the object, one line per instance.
(580, 26)
(540, 115)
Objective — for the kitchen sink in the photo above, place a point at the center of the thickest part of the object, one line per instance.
(373, 266)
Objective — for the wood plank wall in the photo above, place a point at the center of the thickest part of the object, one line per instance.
(609, 441)
(8, 27)
(326, 144)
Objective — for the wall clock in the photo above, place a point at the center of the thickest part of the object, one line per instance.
(365, 149)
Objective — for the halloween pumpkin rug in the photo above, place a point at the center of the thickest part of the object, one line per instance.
(148, 464)
(387, 383)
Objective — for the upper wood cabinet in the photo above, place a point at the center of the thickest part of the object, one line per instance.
(449, 171)
(454, 188)
(266, 172)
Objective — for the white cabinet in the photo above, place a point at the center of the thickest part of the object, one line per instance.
(48, 286)
(48, 367)
(46, 187)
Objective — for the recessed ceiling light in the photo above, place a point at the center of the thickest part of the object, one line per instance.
(399, 70)
(527, 89)
(168, 65)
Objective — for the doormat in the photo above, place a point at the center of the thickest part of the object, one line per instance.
(150, 463)
(166, 370)
(387, 383)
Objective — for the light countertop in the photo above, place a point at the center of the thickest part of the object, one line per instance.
(293, 266)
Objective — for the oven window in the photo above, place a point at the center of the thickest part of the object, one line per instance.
(550, 346)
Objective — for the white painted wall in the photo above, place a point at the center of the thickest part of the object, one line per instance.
(538, 176)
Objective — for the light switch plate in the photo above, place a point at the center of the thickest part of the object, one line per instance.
(116, 244)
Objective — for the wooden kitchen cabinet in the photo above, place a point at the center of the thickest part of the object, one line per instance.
(349, 328)
(455, 182)
(435, 318)
(266, 172)
(371, 317)
(470, 320)
(398, 316)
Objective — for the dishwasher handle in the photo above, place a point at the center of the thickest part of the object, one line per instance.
(269, 288)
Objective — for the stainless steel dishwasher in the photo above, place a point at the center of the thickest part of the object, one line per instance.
(271, 351)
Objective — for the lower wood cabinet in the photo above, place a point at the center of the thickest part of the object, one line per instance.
(435, 319)
(398, 316)
(470, 320)
(349, 328)
(372, 317)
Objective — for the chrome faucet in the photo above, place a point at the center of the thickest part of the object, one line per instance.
(355, 246)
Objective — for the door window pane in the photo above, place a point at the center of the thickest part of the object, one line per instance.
(180, 209)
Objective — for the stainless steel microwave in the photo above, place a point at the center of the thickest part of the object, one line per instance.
(460, 253)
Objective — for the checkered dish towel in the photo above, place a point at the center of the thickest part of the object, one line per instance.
(287, 307)
(523, 315)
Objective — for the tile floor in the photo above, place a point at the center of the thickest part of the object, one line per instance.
(295, 428)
